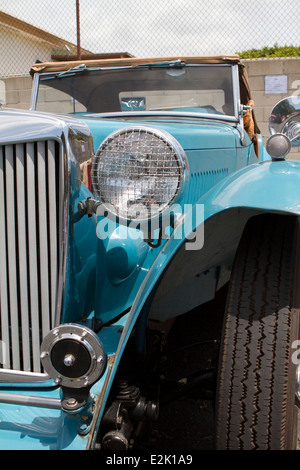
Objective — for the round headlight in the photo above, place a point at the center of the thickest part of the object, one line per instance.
(278, 146)
(138, 172)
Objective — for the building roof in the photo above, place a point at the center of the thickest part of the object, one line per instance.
(38, 33)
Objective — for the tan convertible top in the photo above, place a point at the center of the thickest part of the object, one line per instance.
(129, 61)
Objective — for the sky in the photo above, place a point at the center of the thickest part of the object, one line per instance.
(160, 27)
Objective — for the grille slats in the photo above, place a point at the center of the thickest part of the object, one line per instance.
(22, 249)
(52, 211)
(3, 266)
(11, 256)
(43, 238)
(32, 247)
(30, 180)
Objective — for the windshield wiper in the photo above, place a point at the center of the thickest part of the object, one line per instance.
(170, 64)
(72, 71)
(67, 73)
(82, 68)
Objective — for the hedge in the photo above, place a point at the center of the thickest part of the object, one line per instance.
(274, 51)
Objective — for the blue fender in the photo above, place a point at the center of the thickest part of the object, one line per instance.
(266, 187)
(262, 187)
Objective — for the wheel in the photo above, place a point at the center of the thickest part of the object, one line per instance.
(255, 398)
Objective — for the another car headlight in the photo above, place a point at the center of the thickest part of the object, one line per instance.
(138, 172)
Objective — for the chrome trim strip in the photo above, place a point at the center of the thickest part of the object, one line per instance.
(63, 231)
(3, 267)
(43, 236)
(32, 243)
(52, 211)
(12, 307)
(162, 114)
(34, 92)
(23, 377)
(21, 228)
(98, 407)
(237, 103)
(29, 400)
(236, 94)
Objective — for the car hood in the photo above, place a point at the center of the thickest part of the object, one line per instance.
(192, 135)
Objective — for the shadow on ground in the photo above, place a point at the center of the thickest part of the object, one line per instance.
(187, 422)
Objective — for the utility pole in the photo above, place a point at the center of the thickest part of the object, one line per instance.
(78, 29)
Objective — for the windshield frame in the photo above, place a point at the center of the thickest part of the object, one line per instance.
(235, 118)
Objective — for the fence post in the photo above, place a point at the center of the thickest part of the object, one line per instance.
(78, 29)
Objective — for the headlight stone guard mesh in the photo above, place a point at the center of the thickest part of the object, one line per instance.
(137, 172)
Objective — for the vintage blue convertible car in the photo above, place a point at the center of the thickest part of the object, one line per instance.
(138, 203)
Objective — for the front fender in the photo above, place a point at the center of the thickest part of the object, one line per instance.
(262, 187)
(272, 186)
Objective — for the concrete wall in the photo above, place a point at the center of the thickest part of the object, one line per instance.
(15, 92)
(268, 79)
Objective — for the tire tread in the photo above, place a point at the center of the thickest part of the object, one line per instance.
(255, 357)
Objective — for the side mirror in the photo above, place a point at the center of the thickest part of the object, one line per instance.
(284, 126)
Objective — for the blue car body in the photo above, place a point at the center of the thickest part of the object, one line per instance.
(106, 279)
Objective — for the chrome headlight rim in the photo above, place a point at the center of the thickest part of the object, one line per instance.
(87, 342)
(182, 165)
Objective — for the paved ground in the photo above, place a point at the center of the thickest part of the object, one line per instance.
(186, 425)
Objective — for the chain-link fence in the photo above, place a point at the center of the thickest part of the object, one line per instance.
(43, 30)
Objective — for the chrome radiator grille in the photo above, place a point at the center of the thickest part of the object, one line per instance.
(30, 200)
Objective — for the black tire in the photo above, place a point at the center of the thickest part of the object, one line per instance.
(255, 405)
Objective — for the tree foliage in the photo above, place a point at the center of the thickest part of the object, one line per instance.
(273, 51)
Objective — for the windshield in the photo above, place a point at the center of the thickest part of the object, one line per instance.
(205, 89)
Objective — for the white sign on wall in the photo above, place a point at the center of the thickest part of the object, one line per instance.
(275, 84)
(2, 92)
